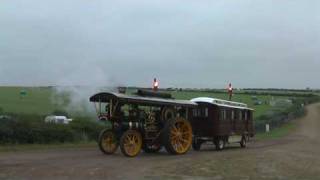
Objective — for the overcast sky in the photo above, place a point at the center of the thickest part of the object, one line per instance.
(251, 43)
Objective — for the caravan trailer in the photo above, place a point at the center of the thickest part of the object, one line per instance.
(221, 122)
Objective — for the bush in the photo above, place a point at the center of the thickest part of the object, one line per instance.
(86, 129)
(31, 129)
(278, 118)
(58, 112)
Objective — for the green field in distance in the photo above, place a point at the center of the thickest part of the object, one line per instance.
(41, 100)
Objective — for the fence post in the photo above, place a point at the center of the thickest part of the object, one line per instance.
(267, 128)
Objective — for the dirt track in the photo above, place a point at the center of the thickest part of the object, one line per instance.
(296, 156)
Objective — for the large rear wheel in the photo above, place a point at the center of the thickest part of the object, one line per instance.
(108, 142)
(131, 143)
(177, 136)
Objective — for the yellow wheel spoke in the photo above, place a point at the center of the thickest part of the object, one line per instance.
(175, 129)
(180, 136)
(132, 143)
(184, 140)
(174, 137)
(180, 148)
(185, 133)
(108, 142)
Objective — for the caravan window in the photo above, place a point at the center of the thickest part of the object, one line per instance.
(249, 115)
(195, 113)
(201, 112)
(206, 112)
(246, 115)
(223, 114)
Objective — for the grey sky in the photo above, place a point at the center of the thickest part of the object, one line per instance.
(184, 43)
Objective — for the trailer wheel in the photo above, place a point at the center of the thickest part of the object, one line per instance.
(243, 142)
(220, 144)
(177, 136)
(131, 143)
(108, 142)
(151, 148)
(196, 144)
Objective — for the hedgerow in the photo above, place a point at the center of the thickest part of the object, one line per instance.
(31, 129)
(277, 118)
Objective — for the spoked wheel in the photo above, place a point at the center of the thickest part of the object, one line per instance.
(108, 142)
(151, 148)
(243, 142)
(131, 143)
(177, 136)
(220, 144)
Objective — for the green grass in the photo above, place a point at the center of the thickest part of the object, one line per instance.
(36, 100)
(277, 132)
(41, 100)
(44, 147)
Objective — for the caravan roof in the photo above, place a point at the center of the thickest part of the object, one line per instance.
(220, 102)
(107, 96)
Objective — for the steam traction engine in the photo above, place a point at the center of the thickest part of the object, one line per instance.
(147, 121)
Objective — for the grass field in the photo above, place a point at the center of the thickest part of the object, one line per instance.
(41, 100)
(36, 100)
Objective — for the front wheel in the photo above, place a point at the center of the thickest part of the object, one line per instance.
(108, 142)
(131, 143)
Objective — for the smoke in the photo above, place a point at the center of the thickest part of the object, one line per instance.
(78, 85)
(75, 99)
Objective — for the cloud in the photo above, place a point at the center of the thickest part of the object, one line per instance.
(183, 43)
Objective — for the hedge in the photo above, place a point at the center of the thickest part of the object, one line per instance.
(277, 118)
(31, 129)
